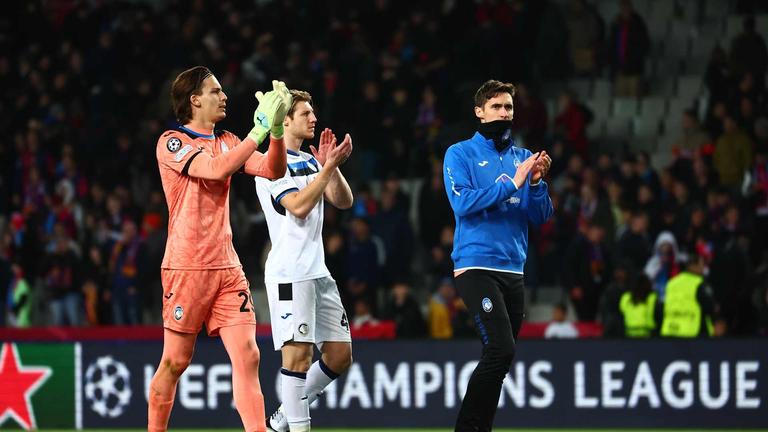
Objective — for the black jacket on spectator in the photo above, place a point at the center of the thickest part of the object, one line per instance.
(636, 45)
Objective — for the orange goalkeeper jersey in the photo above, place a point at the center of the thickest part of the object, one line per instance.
(199, 233)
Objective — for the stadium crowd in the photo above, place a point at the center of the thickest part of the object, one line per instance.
(82, 213)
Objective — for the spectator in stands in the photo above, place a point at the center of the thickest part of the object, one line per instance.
(392, 226)
(440, 262)
(559, 327)
(639, 308)
(404, 310)
(634, 245)
(365, 259)
(447, 315)
(757, 190)
(733, 153)
(530, 118)
(125, 292)
(96, 295)
(363, 315)
(749, 52)
(665, 263)
(717, 77)
(730, 275)
(596, 209)
(762, 307)
(585, 35)
(586, 270)
(696, 228)
(21, 299)
(688, 305)
(704, 179)
(628, 48)
(747, 89)
(148, 264)
(428, 123)
(571, 123)
(715, 118)
(692, 138)
(6, 278)
(609, 314)
(60, 272)
(433, 208)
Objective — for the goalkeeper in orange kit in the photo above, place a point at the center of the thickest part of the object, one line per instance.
(203, 280)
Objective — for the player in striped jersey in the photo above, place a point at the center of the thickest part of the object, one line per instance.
(304, 301)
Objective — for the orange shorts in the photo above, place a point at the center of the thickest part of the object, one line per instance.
(220, 298)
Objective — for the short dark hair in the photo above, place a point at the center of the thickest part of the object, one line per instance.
(298, 96)
(490, 89)
(188, 83)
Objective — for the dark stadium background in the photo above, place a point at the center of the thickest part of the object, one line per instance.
(661, 133)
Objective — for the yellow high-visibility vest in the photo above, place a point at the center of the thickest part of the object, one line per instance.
(639, 321)
(682, 312)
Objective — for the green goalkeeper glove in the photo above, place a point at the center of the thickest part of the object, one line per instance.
(270, 113)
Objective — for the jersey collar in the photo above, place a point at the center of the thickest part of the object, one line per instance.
(197, 133)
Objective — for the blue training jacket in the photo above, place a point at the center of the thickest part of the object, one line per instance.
(492, 215)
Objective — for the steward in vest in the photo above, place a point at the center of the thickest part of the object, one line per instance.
(689, 305)
(639, 308)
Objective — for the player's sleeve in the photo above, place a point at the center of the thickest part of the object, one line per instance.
(539, 203)
(176, 152)
(463, 196)
(280, 187)
(269, 165)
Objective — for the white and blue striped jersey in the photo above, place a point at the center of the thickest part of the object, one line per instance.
(297, 244)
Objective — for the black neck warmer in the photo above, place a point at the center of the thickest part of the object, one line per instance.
(500, 131)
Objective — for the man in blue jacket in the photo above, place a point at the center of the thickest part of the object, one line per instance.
(495, 190)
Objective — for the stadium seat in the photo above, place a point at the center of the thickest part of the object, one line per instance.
(600, 107)
(618, 129)
(639, 144)
(761, 24)
(653, 105)
(716, 9)
(602, 89)
(625, 107)
(596, 129)
(645, 126)
(657, 29)
(733, 27)
(676, 106)
(608, 9)
(582, 88)
(689, 86)
(552, 108)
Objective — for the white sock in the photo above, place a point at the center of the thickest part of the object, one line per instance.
(318, 377)
(295, 403)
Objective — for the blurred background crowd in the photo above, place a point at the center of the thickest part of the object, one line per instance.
(655, 113)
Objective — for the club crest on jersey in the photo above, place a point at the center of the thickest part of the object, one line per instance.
(178, 312)
(516, 163)
(224, 147)
(487, 304)
(303, 329)
(173, 144)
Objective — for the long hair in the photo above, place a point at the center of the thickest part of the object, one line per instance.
(188, 83)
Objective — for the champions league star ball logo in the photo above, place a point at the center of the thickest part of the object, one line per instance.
(108, 387)
(173, 144)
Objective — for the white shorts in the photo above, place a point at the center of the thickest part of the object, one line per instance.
(308, 311)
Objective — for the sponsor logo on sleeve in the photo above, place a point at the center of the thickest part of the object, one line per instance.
(183, 152)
